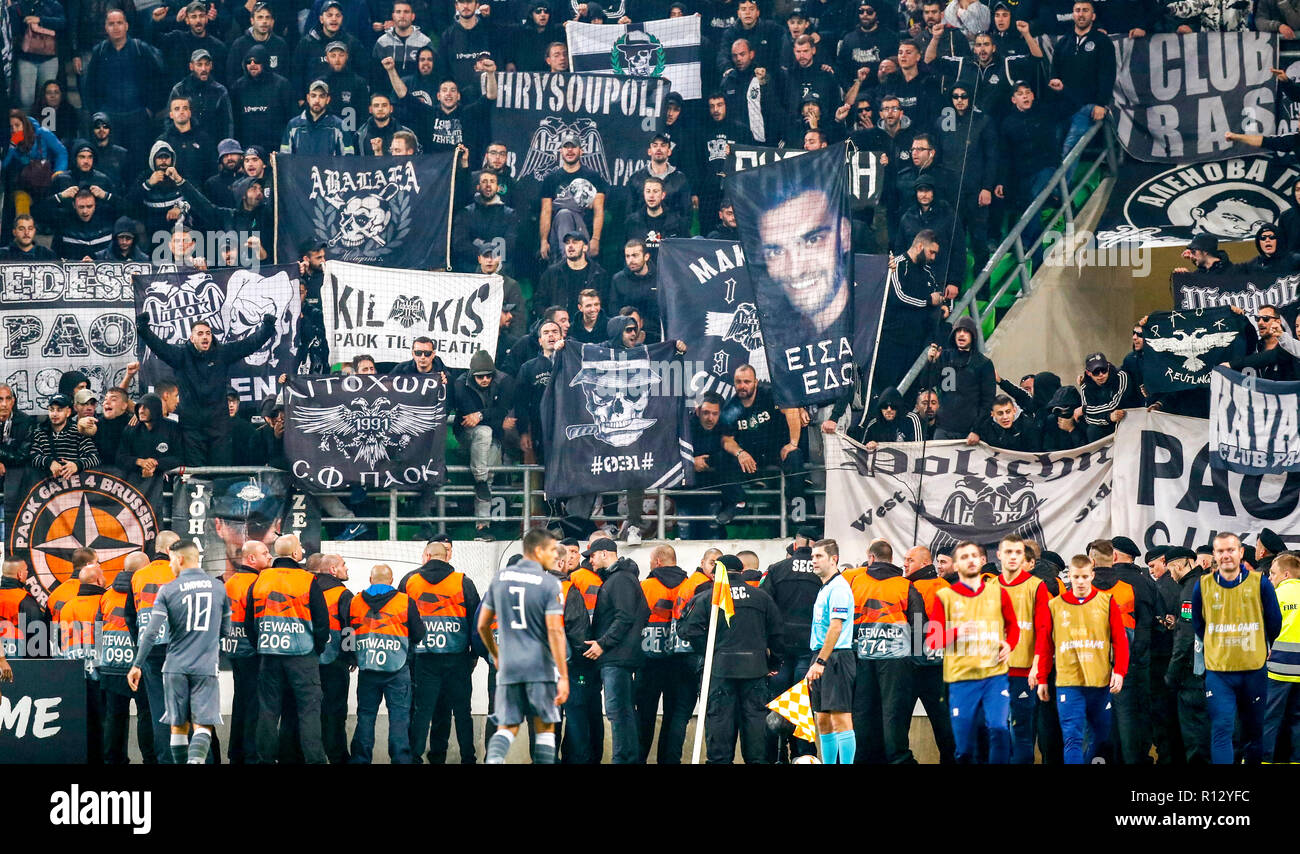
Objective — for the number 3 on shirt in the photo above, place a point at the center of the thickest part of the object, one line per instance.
(518, 622)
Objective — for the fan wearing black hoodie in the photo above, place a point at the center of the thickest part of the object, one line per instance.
(275, 50)
(82, 174)
(1008, 429)
(1061, 430)
(1274, 254)
(153, 193)
(932, 213)
(964, 378)
(890, 422)
(663, 674)
(262, 100)
(1034, 403)
(150, 448)
(617, 623)
(123, 248)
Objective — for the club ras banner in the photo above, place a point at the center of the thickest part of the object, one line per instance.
(1254, 423)
(381, 312)
(375, 431)
(615, 420)
(222, 513)
(1177, 94)
(613, 117)
(1181, 347)
(65, 317)
(233, 302)
(387, 211)
(1168, 492)
(937, 494)
(668, 48)
(793, 218)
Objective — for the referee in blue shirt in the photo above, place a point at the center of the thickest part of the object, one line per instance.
(831, 675)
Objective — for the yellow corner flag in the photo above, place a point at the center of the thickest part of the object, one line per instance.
(795, 706)
(722, 594)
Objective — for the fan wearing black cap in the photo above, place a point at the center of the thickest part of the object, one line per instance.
(209, 100)
(572, 202)
(932, 213)
(260, 33)
(1185, 675)
(1206, 256)
(309, 62)
(620, 616)
(180, 37)
(1164, 702)
(1135, 595)
(678, 197)
(58, 449)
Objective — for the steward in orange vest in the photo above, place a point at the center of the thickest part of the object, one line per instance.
(115, 655)
(239, 653)
(334, 679)
(75, 639)
(663, 674)
(145, 583)
(386, 626)
(24, 624)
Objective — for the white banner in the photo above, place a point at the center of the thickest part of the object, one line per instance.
(380, 312)
(936, 494)
(1167, 492)
(668, 48)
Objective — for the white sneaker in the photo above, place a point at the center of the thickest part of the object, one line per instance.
(633, 535)
(610, 531)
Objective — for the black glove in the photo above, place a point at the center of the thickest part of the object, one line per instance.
(268, 319)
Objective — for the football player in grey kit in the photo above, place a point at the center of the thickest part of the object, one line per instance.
(532, 668)
(195, 608)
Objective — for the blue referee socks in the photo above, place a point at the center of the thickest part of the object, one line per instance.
(838, 748)
(848, 747)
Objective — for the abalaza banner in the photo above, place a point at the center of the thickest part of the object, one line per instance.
(233, 302)
(1249, 291)
(937, 494)
(43, 713)
(1254, 423)
(615, 420)
(1168, 491)
(613, 117)
(866, 172)
(381, 312)
(65, 317)
(1168, 206)
(793, 218)
(1177, 94)
(90, 509)
(221, 513)
(374, 431)
(1181, 347)
(386, 211)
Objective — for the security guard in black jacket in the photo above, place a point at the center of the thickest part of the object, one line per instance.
(616, 626)
(1132, 717)
(744, 653)
(1186, 673)
(793, 586)
(1164, 703)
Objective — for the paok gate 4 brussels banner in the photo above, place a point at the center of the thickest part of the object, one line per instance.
(1254, 423)
(233, 302)
(381, 312)
(387, 211)
(376, 431)
(615, 420)
(65, 317)
(793, 218)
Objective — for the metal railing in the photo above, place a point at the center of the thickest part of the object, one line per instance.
(523, 496)
(1064, 182)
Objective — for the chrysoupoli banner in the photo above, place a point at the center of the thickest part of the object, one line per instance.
(1248, 291)
(375, 431)
(65, 317)
(866, 173)
(937, 494)
(233, 302)
(613, 117)
(668, 48)
(386, 211)
(615, 420)
(381, 312)
(793, 218)
(1180, 347)
(1176, 94)
(1254, 423)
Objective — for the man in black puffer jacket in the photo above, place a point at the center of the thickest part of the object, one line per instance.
(621, 613)
(150, 448)
(964, 379)
(202, 369)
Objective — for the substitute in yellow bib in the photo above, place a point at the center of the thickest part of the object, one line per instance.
(1236, 616)
(1087, 646)
(1283, 710)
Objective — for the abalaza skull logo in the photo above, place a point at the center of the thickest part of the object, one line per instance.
(362, 216)
(638, 54)
(617, 387)
(367, 432)
(984, 510)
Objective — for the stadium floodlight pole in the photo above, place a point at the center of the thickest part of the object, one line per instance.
(708, 671)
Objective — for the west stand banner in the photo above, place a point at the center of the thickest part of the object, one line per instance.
(221, 513)
(614, 420)
(1181, 347)
(1177, 94)
(375, 431)
(937, 494)
(668, 48)
(866, 173)
(793, 218)
(233, 302)
(1254, 425)
(65, 317)
(1168, 491)
(613, 118)
(381, 312)
(386, 211)
(1248, 291)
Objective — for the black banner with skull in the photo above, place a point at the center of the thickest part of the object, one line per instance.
(1181, 348)
(793, 217)
(232, 301)
(375, 431)
(613, 118)
(65, 317)
(385, 211)
(616, 419)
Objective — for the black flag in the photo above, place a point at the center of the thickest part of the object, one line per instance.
(616, 420)
(1182, 347)
(794, 224)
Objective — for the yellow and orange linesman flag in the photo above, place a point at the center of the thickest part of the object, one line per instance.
(722, 594)
(796, 707)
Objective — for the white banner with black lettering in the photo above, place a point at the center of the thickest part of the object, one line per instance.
(380, 312)
(1254, 423)
(936, 494)
(668, 48)
(1168, 492)
(1177, 94)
